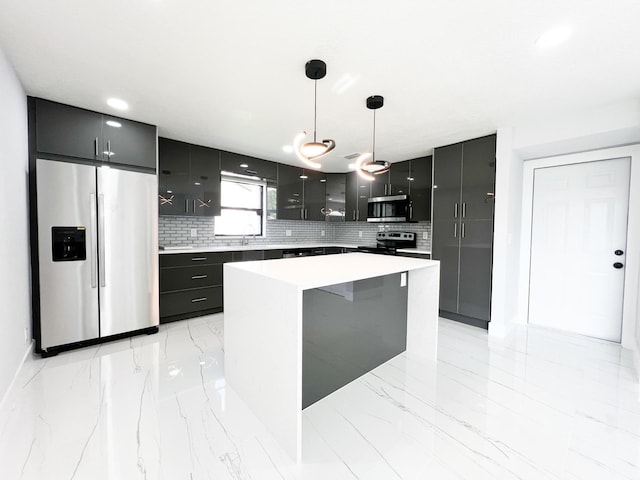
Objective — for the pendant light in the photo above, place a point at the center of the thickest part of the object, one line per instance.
(369, 168)
(310, 151)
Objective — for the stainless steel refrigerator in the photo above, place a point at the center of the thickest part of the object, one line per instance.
(97, 254)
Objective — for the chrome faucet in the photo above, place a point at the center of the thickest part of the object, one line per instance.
(245, 240)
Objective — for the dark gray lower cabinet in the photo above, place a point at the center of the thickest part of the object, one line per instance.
(191, 284)
(190, 303)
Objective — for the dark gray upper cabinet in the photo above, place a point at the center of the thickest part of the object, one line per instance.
(245, 165)
(394, 182)
(358, 191)
(173, 178)
(399, 174)
(301, 193)
(85, 135)
(128, 143)
(380, 185)
(314, 189)
(478, 178)
(420, 188)
(447, 178)
(189, 180)
(68, 131)
(290, 193)
(335, 197)
(204, 172)
(463, 185)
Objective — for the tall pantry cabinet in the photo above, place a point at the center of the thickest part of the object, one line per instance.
(463, 203)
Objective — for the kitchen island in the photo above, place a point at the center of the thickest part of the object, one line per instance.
(297, 329)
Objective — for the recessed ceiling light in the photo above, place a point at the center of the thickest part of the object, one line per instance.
(244, 165)
(554, 37)
(113, 123)
(117, 104)
(322, 180)
(287, 149)
(304, 177)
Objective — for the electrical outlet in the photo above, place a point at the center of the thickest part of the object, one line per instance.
(425, 235)
(194, 232)
(360, 233)
(287, 233)
(322, 233)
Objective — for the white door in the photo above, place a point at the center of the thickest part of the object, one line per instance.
(578, 233)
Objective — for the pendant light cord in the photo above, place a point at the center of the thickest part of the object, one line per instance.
(315, 107)
(373, 153)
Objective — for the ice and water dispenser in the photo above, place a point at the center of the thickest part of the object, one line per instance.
(68, 244)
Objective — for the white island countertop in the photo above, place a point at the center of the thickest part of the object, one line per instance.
(263, 326)
(323, 270)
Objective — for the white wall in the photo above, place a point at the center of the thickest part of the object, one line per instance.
(15, 288)
(506, 238)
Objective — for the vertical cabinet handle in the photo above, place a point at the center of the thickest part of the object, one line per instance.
(102, 268)
(193, 205)
(186, 206)
(108, 149)
(455, 230)
(95, 143)
(455, 210)
(464, 209)
(354, 215)
(462, 230)
(93, 235)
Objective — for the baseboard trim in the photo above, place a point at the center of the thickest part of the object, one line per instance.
(464, 319)
(28, 350)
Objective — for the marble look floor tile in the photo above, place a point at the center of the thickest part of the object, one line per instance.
(538, 405)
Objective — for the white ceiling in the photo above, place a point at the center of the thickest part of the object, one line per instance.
(230, 73)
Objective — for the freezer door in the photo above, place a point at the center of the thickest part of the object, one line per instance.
(128, 250)
(67, 257)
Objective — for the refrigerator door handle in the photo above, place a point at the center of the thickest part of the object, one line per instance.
(101, 247)
(94, 241)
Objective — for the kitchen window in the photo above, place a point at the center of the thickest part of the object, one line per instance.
(244, 206)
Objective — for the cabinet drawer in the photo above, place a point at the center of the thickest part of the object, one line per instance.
(192, 259)
(272, 254)
(248, 255)
(190, 301)
(182, 278)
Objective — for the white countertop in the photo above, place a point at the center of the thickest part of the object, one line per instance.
(319, 271)
(419, 251)
(239, 248)
(255, 246)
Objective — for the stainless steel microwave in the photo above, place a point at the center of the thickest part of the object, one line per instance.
(395, 208)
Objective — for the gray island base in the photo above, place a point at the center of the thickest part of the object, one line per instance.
(298, 329)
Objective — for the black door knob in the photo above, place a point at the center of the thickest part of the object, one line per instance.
(618, 265)
(618, 252)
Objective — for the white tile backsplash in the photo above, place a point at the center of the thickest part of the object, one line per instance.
(176, 231)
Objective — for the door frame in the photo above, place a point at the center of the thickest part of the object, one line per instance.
(632, 267)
